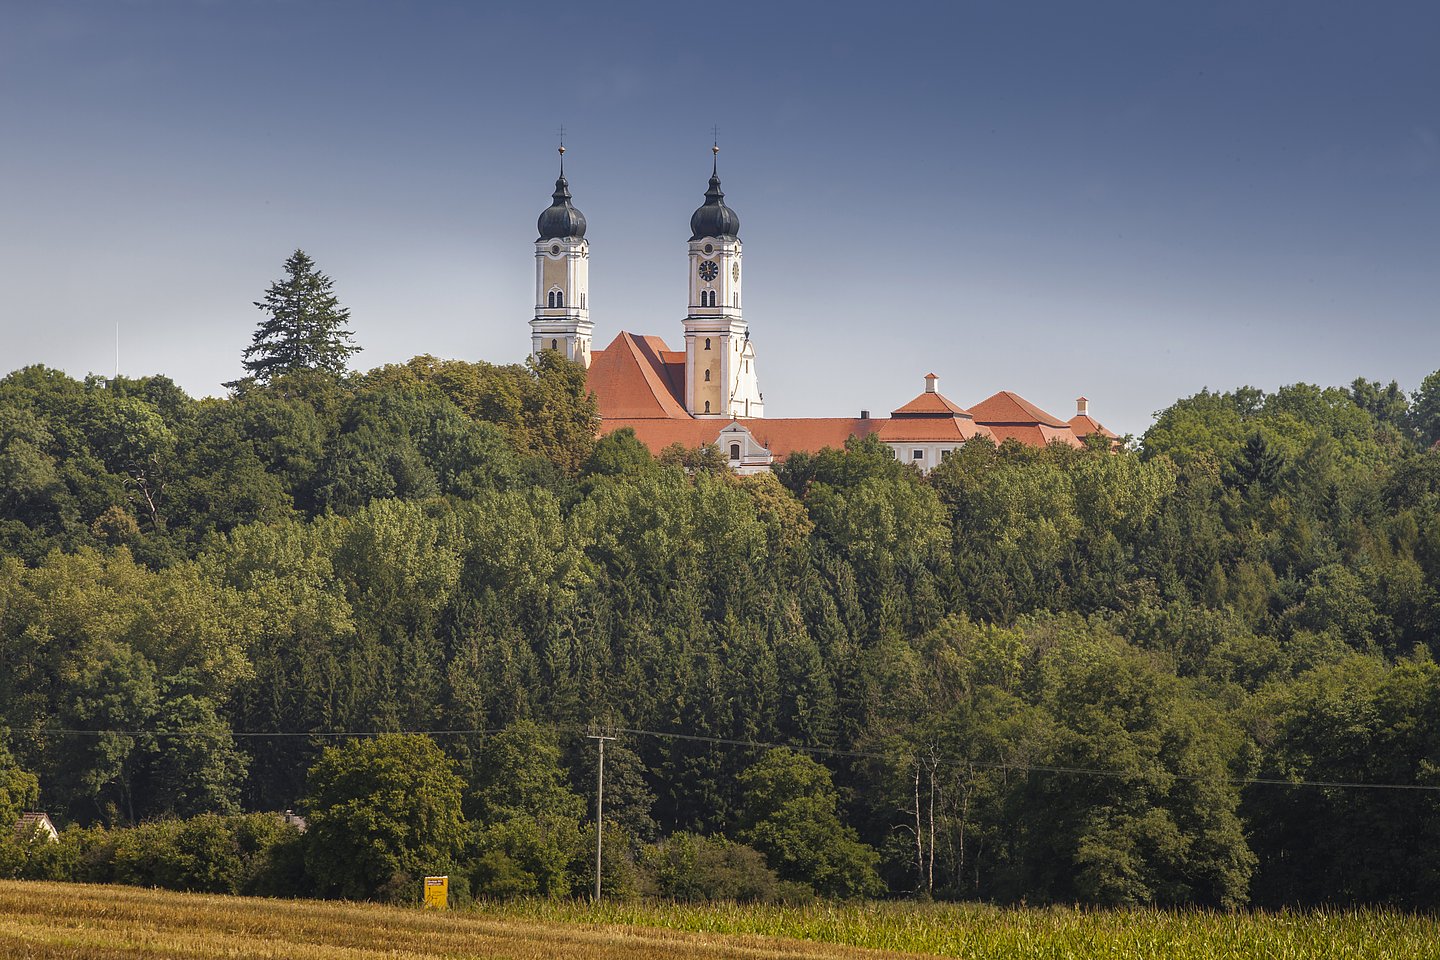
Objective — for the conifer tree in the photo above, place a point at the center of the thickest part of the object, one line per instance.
(304, 327)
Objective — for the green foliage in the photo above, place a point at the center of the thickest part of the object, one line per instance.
(791, 815)
(304, 327)
(382, 813)
(19, 789)
(528, 856)
(441, 545)
(689, 868)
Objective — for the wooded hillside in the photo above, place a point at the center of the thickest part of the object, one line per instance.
(1197, 671)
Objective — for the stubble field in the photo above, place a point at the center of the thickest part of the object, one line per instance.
(78, 922)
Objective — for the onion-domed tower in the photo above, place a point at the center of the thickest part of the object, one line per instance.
(562, 278)
(720, 376)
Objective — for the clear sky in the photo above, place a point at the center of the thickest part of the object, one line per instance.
(1126, 200)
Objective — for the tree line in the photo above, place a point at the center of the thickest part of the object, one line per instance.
(1196, 671)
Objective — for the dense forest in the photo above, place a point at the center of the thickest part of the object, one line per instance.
(1196, 671)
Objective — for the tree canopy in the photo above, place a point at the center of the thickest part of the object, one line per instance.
(304, 327)
(1044, 674)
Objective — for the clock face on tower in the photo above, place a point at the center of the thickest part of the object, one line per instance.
(709, 271)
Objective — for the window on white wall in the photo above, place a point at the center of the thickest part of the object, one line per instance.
(734, 451)
(917, 455)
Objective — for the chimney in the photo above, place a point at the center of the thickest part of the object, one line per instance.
(930, 381)
(1082, 407)
(864, 414)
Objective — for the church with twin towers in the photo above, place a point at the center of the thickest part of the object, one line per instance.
(708, 393)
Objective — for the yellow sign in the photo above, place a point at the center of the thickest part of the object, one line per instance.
(437, 893)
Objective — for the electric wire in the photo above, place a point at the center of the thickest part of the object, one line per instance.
(888, 756)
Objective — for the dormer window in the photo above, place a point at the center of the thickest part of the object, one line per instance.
(734, 451)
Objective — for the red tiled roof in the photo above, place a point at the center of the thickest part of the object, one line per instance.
(1033, 435)
(1011, 408)
(639, 382)
(931, 429)
(781, 436)
(638, 378)
(1083, 424)
(784, 436)
(931, 404)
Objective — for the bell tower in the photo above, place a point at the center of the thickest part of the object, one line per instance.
(562, 278)
(720, 378)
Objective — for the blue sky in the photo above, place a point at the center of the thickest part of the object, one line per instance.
(1126, 200)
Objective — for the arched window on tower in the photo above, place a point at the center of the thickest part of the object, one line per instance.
(707, 343)
(735, 300)
(707, 376)
(554, 344)
(551, 300)
(559, 298)
(582, 301)
(707, 406)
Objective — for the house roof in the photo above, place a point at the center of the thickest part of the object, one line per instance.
(1033, 435)
(638, 378)
(639, 382)
(1011, 408)
(931, 404)
(931, 429)
(1083, 425)
(781, 436)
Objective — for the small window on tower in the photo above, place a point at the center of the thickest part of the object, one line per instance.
(554, 344)
(559, 298)
(707, 376)
(551, 300)
(734, 451)
(707, 343)
(707, 406)
(582, 301)
(735, 300)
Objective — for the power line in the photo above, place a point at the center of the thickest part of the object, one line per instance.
(755, 745)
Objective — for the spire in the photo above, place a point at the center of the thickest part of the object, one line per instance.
(562, 186)
(561, 219)
(714, 218)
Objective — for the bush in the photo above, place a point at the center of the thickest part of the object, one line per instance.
(527, 857)
(691, 868)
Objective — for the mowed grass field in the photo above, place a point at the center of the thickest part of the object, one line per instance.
(48, 920)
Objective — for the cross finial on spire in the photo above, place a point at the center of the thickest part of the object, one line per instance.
(562, 149)
(715, 151)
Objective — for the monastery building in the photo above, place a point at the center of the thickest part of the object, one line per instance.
(708, 392)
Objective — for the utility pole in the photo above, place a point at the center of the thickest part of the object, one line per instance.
(599, 808)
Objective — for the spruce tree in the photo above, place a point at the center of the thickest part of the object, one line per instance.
(304, 327)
